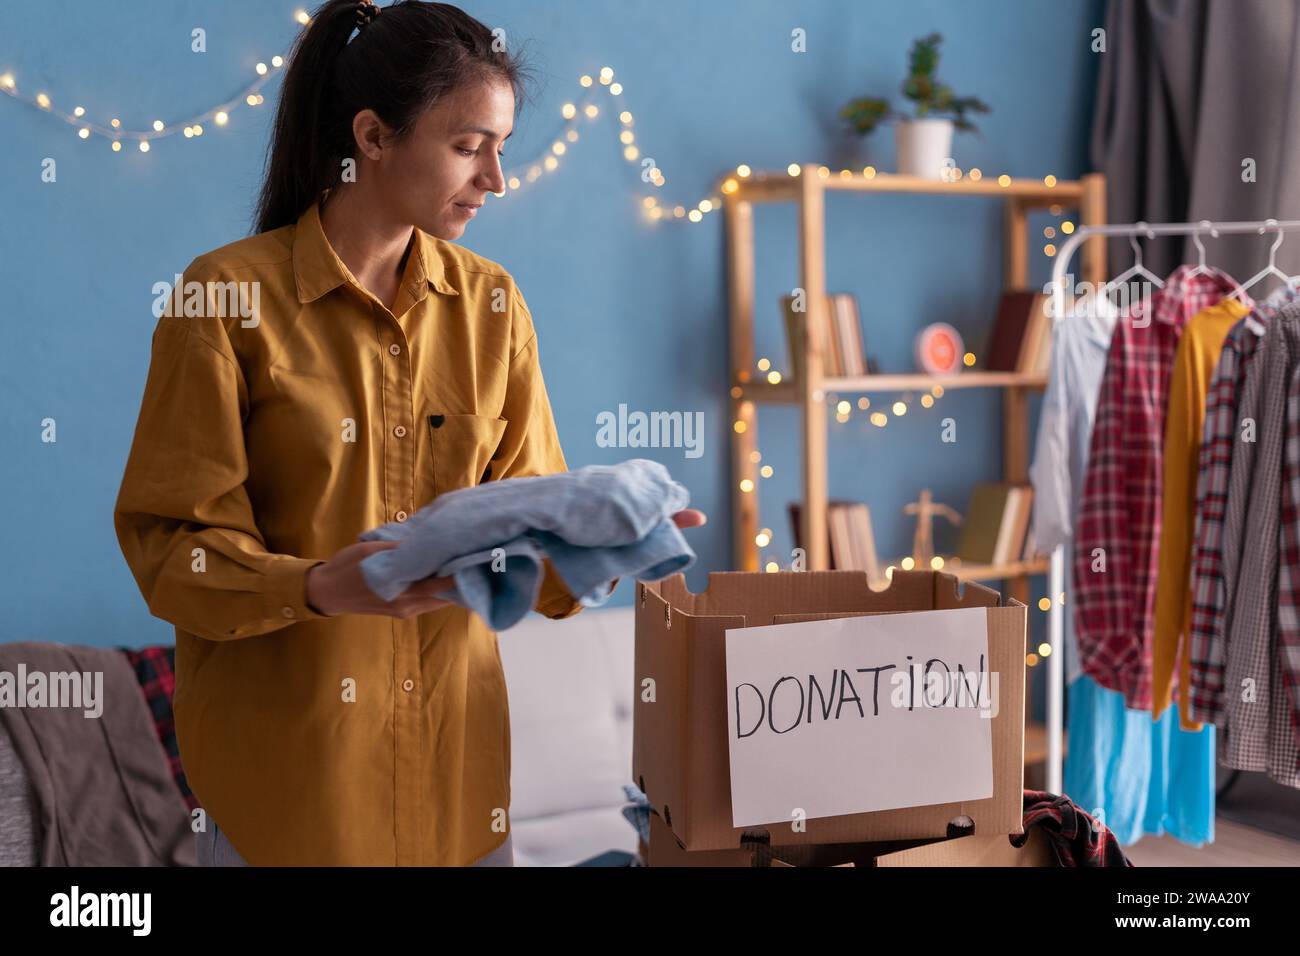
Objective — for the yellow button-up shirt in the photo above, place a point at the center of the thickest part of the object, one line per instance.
(269, 437)
(1189, 383)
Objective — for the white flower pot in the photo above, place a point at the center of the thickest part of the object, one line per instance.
(924, 147)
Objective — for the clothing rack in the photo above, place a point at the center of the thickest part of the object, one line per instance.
(1056, 574)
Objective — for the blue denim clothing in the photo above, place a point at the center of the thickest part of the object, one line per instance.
(594, 524)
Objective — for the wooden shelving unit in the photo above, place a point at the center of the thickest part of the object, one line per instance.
(807, 387)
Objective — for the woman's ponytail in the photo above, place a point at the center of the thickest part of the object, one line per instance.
(403, 58)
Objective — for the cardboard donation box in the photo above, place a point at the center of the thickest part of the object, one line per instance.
(804, 708)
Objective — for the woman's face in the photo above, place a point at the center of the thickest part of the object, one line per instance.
(450, 161)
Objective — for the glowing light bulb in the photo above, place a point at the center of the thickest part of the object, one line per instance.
(746, 485)
(79, 111)
(302, 17)
(907, 564)
(144, 146)
(221, 118)
(568, 111)
(117, 147)
(615, 89)
(84, 133)
(277, 61)
(158, 126)
(766, 471)
(793, 169)
(1004, 180)
(261, 69)
(774, 377)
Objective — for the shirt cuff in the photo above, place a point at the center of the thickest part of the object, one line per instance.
(286, 591)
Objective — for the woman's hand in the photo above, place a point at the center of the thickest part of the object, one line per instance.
(690, 518)
(339, 587)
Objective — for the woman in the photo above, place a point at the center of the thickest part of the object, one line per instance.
(381, 366)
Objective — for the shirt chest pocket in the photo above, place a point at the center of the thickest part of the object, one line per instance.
(462, 447)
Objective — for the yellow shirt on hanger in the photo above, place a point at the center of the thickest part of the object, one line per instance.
(270, 437)
(1194, 363)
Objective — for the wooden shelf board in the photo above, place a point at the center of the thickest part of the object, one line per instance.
(998, 572)
(919, 381)
(985, 572)
(787, 392)
(780, 186)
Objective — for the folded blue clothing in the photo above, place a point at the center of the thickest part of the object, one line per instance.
(595, 524)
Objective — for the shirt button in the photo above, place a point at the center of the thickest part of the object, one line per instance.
(400, 516)
(395, 349)
(408, 684)
(287, 611)
(400, 431)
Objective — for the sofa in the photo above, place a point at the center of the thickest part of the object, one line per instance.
(570, 685)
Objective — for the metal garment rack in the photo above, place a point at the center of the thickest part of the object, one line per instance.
(1056, 585)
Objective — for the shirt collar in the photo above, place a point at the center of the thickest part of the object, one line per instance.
(317, 268)
(1184, 294)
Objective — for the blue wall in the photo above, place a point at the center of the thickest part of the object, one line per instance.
(627, 312)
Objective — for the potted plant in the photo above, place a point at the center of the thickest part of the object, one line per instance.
(924, 140)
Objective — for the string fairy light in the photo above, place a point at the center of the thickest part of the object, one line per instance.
(516, 178)
(190, 128)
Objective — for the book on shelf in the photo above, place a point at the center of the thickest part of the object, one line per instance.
(996, 523)
(850, 541)
(848, 328)
(843, 350)
(1021, 337)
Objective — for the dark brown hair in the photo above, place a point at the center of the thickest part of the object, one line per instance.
(400, 63)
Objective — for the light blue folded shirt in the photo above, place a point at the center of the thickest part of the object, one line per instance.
(595, 524)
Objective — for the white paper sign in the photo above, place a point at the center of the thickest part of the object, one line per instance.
(858, 714)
